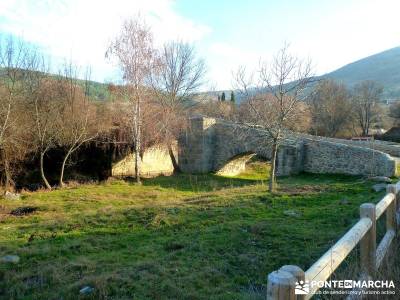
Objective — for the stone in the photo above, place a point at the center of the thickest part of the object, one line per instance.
(154, 161)
(381, 179)
(23, 210)
(379, 187)
(11, 196)
(292, 213)
(86, 290)
(14, 259)
(344, 201)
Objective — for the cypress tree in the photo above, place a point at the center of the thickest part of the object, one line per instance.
(223, 96)
(232, 97)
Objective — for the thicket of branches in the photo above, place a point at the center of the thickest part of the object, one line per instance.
(40, 112)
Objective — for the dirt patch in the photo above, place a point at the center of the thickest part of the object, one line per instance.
(23, 210)
(173, 246)
(204, 199)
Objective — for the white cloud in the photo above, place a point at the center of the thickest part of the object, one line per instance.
(330, 33)
(82, 30)
(353, 31)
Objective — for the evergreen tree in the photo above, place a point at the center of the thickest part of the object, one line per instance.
(232, 97)
(223, 96)
(219, 97)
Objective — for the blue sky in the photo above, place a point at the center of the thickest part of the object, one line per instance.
(226, 33)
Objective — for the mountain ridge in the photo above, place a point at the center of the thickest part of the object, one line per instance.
(382, 67)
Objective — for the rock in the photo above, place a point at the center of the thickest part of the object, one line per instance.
(23, 210)
(14, 259)
(11, 196)
(292, 213)
(86, 290)
(344, 201)
(379, 187)
(381, 179)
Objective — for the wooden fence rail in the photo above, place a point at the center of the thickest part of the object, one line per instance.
(282, 283)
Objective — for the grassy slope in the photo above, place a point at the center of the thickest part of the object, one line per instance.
(186, 237)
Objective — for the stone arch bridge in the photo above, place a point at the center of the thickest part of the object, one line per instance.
(210, 145)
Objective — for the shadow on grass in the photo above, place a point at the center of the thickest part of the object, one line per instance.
(199, 182)
(212, 182)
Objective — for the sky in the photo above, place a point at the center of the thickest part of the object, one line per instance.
(226, 34)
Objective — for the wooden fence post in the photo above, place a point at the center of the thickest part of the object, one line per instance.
(368, 242)
(281, 285)
(391, 222)
(298, 273)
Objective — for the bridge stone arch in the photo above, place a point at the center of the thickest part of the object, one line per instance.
(209, 144)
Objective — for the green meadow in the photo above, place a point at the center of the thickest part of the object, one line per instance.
(177, 237)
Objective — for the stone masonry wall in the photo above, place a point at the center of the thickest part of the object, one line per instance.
(195, 147)
(156, 161)
(329, 157)
(390, 148)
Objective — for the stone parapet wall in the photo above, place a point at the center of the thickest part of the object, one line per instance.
(390, 148)
(330, 157)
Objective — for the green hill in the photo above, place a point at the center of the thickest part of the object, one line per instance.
(96, 90)
(383, 67)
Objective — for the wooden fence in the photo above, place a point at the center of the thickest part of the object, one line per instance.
(281, 283)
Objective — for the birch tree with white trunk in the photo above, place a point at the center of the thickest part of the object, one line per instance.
(134, 52)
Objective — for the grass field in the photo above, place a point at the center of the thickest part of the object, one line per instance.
(178, 237)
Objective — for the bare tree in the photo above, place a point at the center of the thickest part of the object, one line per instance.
(179, 76)
(330, 108)
(43, 106)
(13, 134)
(133, 49)
(274, 98)
(365, 100)
(77, 115)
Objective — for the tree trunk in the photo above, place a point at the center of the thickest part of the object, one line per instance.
(46, 183)
(61, 182)
(137, 163)
(137, 141)
(272, 182)
(9, 184)
(173, 159)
